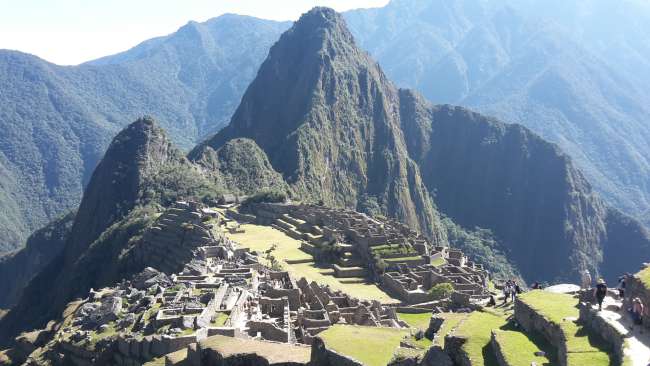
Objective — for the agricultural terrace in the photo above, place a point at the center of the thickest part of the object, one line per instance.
(300, 264)
(372, 346)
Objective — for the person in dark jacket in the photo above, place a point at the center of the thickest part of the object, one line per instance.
(600, 292)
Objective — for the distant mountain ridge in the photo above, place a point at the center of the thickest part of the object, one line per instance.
(574, 72)
(57, 121)
(340, 132)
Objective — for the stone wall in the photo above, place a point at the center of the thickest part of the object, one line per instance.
(322, 356)
(454, 348)
(612, 335)
(532, 322)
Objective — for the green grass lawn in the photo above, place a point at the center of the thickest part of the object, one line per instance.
(477, 328)
(260, 238)
(519, 349)
(582, 348)
(419, 321)
(438, 262)
(451, 321)
(372, 346)
(220, 320)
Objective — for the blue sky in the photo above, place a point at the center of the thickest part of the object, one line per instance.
(69, 32)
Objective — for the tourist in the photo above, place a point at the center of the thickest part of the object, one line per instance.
(515, 290)
(600, 292)
(536, 286)
(586, 280)
(506, 292)
(621, 287)
(492, 301)
(637, 311)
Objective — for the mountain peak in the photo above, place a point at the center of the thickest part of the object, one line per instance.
(136, 153)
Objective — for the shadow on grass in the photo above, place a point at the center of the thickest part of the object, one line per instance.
(539, 341)
(598, 343)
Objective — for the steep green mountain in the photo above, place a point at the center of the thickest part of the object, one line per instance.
(140, 171)
(57, 121)
(340, 132)
(331, 126)
(575, 72)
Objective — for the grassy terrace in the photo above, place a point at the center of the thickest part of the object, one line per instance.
(452, 320)
(644, 275)
(260, 238)
(519, 349)
(417, 322)
(220, 320)
(372, 346)
(560, 309)
(477, 328)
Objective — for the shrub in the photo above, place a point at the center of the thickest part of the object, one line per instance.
(441, 290)
(266, 196)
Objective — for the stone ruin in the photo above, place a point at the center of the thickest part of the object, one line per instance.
(413, 265)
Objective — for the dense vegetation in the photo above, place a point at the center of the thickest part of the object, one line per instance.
(568, 70)
(58, 121)
(341, 133)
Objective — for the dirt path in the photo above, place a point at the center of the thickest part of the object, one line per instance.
(638, 342)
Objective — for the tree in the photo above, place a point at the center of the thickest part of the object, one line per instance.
(441, 290)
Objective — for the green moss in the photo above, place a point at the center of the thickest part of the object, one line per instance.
(373, 346)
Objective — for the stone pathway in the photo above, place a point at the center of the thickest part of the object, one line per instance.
(638, 341)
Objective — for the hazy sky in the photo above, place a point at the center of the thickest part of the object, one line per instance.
(69, 32)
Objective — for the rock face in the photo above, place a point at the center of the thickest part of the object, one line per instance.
(332, 124)
(506, 178)
(340, 132)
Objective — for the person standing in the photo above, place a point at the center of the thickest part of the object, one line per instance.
(637, 311)
(586, 280)
(621, 287)
(600, 292)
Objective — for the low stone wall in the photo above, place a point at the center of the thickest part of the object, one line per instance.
(532, 322)
(322, 356)
(454, 348)
(498, 353)
(635, 288)
(612, 335)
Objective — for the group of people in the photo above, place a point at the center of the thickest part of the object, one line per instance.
(636, 309)
(510, 290)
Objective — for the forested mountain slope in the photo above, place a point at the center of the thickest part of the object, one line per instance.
(339, 131)
(575, 72)
(57, 121)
